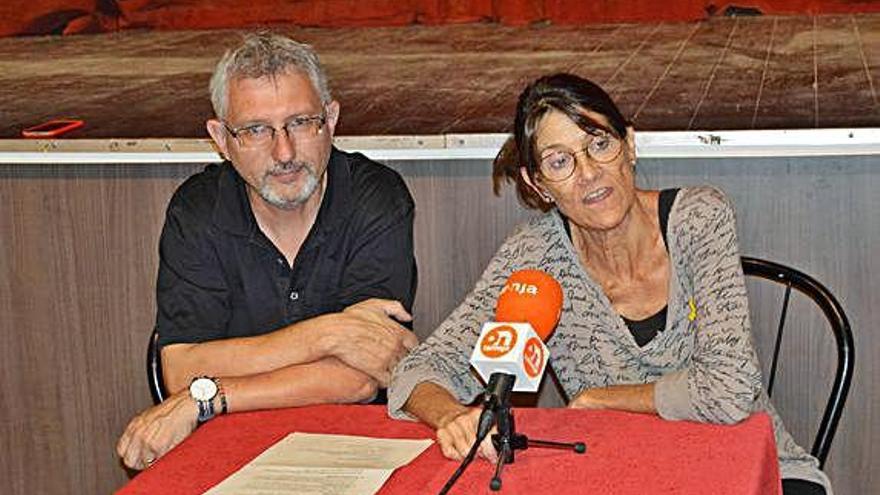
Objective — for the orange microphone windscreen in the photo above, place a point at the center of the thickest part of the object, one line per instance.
(531, 296)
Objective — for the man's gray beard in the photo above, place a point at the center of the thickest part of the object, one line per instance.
(309, 186)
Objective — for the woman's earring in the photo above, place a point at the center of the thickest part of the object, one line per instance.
(547, 198)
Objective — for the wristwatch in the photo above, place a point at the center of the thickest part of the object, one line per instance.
(203, 389)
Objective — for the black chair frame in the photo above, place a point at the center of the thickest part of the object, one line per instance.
(154, 369)
(833, 311)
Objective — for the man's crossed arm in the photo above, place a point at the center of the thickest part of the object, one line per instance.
(333, 358)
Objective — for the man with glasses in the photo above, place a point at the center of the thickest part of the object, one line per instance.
(285, 271)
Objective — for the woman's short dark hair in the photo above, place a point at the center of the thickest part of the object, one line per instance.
(566, 93)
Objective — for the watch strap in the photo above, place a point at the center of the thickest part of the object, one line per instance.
(222, 394)
(206, 407)
(206, 410)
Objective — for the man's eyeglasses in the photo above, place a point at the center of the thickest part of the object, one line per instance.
(559, 164)
(302, 128)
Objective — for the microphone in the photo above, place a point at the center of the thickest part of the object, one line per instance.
(510, 354)
(527, 312)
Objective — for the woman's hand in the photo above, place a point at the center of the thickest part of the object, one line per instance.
(457, 432)
(456, 424)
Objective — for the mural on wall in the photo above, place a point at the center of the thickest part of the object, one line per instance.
(37, 17)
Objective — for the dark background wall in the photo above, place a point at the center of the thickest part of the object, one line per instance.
(21, 17)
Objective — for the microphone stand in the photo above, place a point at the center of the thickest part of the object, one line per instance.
(497, 411)
(497, 392)
(507, 441)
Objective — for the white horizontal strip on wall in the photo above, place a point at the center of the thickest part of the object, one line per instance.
(685, 144)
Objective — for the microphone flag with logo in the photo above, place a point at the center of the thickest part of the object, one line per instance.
(527, 312)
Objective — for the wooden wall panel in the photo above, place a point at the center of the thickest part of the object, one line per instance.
(818, 215)
(79, 260)
(459, 224)
(77, 274)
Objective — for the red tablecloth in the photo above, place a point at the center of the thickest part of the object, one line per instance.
(626, 453)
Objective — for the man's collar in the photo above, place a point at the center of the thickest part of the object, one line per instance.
(336, 205)
(233, 212)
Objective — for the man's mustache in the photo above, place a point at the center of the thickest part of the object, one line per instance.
(290, 166)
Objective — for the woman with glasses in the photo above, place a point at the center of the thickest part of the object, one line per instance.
(655, 318)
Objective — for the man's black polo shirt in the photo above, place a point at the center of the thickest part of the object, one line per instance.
(220, 276)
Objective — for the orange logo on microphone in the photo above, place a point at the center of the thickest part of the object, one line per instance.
(498, 341)
(533, 357)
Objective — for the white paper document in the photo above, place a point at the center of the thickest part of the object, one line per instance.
(314, 464)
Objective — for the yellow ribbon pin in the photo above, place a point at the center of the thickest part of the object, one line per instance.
(693, 314)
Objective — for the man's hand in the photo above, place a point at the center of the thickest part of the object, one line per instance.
(157, 430)
(458, 432)
(369, 338)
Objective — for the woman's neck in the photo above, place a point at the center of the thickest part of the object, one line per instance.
(627, 248)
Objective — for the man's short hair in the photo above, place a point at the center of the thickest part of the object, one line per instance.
(265, 54)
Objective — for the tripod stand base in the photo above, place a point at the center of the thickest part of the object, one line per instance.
(507, 441)
(522, 442)
(577, 447)
(506, 445)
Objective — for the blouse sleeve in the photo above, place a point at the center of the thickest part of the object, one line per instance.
(443, 358)
(722, 380)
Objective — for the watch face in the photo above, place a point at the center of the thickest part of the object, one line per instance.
(203, 389)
